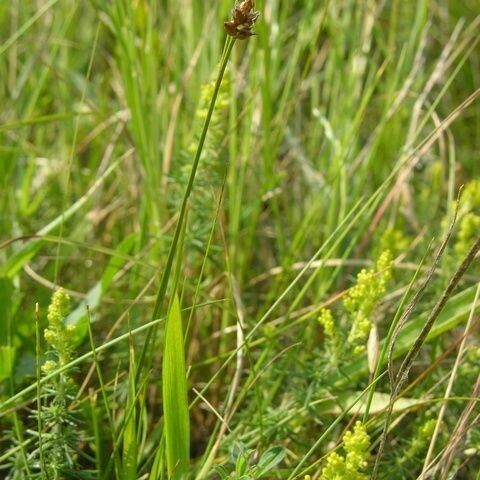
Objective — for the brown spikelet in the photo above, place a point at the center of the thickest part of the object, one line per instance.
(243, 19)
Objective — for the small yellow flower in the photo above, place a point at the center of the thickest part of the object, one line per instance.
(49, 366)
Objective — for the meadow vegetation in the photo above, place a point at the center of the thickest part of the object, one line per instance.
(234, 256)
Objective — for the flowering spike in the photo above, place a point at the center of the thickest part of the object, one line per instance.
(57, 335)
(243, 19)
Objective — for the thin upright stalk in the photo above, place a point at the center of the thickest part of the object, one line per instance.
(181, 219)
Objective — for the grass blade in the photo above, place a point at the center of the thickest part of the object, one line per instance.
(130, 436)
(175, 403)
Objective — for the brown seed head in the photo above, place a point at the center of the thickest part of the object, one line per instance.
(243, 19)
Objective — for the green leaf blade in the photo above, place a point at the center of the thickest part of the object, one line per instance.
(175, 401)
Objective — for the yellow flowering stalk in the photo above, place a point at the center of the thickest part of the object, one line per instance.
(59, 433)
(363, 297)
(212, 169)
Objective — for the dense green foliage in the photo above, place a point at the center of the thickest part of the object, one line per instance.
(234, 243)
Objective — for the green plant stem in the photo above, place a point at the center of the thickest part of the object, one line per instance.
(39, 392)
(402, 374)
(103, 390)
(383, 353)
(173, 247)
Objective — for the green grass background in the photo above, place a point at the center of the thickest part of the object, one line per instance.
(339, 121)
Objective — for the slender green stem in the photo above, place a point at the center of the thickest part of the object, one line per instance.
(103, 390)
(383, 353)
(39, 391)
(157, 310)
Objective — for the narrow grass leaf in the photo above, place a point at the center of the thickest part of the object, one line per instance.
(7, 360)
(129, 471)
(175, 403)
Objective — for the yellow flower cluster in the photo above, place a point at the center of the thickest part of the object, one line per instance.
(59, 308)
(363, 296)
(57, 335)
(333, 336)
(325, 319)
(356, 445)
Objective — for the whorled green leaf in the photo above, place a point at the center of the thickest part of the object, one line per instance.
(270, 459)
